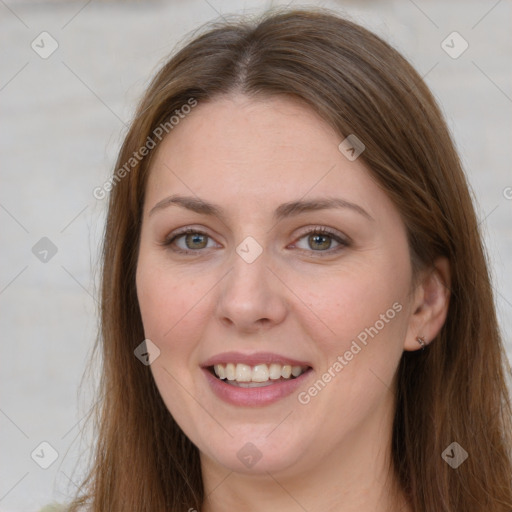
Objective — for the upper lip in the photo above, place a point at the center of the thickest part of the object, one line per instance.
(252, 359)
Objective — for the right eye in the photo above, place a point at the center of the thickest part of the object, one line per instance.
(189, 240)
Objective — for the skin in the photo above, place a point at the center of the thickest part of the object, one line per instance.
(297, 298)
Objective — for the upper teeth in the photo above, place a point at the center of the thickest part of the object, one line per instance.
(259, 373)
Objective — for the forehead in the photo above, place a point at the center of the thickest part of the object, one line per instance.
(262, 151)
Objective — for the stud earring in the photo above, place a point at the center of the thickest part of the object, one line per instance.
(422, 342)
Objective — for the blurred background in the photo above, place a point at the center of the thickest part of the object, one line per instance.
(70, 76)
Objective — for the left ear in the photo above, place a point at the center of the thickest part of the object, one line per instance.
(430, 304)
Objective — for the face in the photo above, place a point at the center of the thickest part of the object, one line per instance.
(274, 277)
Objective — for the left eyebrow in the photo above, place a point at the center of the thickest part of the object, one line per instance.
(297, 207)
(283, 211)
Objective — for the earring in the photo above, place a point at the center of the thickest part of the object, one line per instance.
(422, 342)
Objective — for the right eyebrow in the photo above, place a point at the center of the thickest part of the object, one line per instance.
(191, 203)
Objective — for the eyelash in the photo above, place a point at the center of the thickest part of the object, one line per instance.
(319, 230)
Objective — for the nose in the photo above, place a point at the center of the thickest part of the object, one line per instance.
(251, 298)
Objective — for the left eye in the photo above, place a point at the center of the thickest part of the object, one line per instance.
(320, 241)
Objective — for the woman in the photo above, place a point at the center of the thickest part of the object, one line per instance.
(296, 307)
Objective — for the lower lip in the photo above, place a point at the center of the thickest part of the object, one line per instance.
(260, 396)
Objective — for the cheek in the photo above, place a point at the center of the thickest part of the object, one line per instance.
(366, 316)
(349, 302)
(173, 316)
(170, 305)
(363, 311)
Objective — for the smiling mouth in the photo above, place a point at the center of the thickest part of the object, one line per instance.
(260, 375)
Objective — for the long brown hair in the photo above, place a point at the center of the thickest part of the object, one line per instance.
(454, 391)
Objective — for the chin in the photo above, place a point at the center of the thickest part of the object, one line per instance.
(257, 457)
